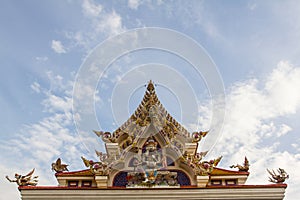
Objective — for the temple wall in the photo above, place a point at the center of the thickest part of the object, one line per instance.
(254, 193)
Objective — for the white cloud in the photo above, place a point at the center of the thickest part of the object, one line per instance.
(39, 144)
(282, 88)
(57, 46)
(252, 6)
(41, 58)
(249, 106)
(111, 23)
(54, 103)
(284, 129)
(36, 87)
(252, 126)
(100, 23)
(133, 4)
(58, 84)
(90, 8)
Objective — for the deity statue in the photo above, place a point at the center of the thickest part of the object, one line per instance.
(151, 159)
(150, 168)
(149, 162)
(24, 180)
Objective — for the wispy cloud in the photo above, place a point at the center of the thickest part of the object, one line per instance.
(57, 46)
(36, 87)
(41, 58)
(111, 24)
(134, 4)
(251, 126)
(100, 23)
(254, 105)
(252, 6)
(37, 145)
(91, 9)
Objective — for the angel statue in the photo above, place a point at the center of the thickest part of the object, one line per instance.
(58, 166)
(278, 178)
(25, 180)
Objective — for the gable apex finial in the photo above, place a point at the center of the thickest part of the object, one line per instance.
(150, 86)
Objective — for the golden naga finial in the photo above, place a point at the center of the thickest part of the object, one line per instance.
(244, 167)
(200, 167)
(26, 180)
(58, 166)
(101, 168)
(278, 178)
(105, 136)
(102, 156)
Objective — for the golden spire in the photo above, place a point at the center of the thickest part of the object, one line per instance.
(150, 111)
(150, 86)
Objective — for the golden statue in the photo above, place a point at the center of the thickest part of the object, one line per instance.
(278, 178)
(58, 166)
(24, 180)
(200, 167)
(102, 168)
(243, 168)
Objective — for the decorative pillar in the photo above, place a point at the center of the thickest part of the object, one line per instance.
(202, 181)
(101, 181)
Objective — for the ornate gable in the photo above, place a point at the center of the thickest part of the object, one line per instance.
(151, 144)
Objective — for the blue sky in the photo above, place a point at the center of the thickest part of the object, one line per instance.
(254, 44)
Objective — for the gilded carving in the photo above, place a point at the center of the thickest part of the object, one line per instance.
(244, 167)
(27, 180)
(278, 177)
(58, 166)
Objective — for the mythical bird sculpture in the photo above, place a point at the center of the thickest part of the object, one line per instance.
(101, 168)
(102, 156)
(244, 167)
(278, 178)
(24, 180)
(58, 166)
(200, 167)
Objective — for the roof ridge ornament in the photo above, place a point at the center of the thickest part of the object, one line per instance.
(150, 86)
(27, 180)
(58, 166)
(197, 136)
(244, 167)
(278, 177)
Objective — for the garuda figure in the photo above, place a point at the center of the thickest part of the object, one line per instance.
(278, 178)
(58, 166)
(25, 180)
(244, 167)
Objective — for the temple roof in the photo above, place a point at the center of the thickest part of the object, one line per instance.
(85, 172)
(150, 117)
(150, 111)
(225, 172)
